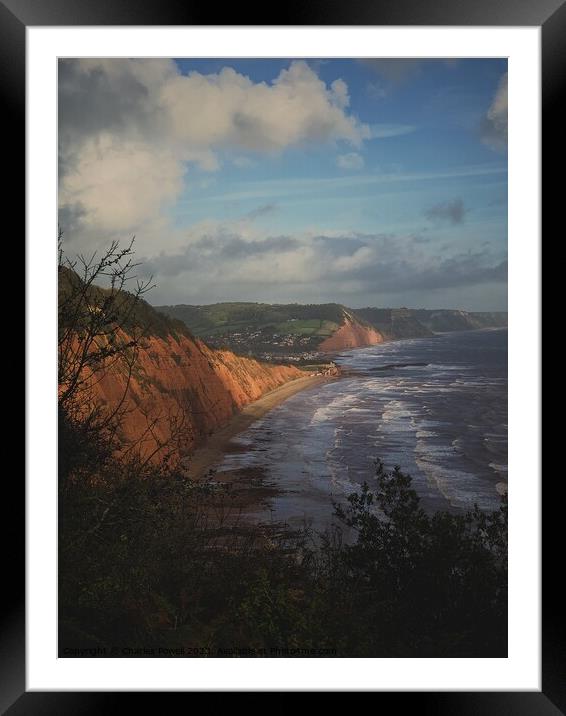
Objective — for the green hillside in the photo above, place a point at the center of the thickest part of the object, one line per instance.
(394, 323)
(271, 330)
(446, 320)
(261, 328)
(119, 307)
(222, 317)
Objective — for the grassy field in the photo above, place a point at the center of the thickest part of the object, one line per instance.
(221, 318)
(307, 327)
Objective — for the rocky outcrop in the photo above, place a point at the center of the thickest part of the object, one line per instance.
(351, 334)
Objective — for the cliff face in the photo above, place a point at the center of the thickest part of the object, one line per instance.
(446, 320)
(394, 323)
(351, 334)
(182, 390)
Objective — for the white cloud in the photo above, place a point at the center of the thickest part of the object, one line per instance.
(129, 128)
(230, 109)
(237, 261)
(383, 131)
(494, 125)
(351, 161)
(340, 92)
(120, 184)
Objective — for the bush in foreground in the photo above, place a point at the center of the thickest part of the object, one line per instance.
(156, 561)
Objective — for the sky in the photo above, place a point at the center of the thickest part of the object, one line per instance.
(367, 182)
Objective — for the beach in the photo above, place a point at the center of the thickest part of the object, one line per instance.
(214, 450)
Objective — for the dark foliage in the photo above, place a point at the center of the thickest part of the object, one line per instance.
(429, 585)
(149, 559)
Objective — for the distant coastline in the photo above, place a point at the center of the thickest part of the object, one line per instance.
(302, 333)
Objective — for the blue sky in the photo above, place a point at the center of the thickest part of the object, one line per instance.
(373, 182)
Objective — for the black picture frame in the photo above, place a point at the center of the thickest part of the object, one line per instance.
(15, 16)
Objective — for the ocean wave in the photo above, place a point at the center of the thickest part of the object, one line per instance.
(498, 467)
(460, 488)
(326, 412)
(445, 426)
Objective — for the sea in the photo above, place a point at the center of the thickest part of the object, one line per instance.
(436, 407)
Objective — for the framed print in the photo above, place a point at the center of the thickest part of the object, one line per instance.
(288, 278)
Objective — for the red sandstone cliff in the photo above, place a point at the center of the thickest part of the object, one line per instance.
(182, 390)
(351, 334)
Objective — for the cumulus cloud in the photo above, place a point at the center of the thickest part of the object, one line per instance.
(120, 184)
(215, 252)
(494, 125)
(129, 128)
(226, 264)
(460, 271)
(232, 110)
(452, 212)
(350, 161)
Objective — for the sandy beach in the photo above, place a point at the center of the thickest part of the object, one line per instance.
(212, 452)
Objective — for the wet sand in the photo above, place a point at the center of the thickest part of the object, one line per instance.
(212, 452)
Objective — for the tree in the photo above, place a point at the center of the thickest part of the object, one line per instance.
(97, 333)
(427, 584)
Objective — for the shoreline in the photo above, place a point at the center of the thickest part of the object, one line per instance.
(212, 452)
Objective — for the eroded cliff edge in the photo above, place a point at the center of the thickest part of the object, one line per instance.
(143, 377)
(181, 390)
(351, 334)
